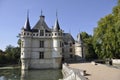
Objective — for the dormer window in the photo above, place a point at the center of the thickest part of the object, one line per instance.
(41, 32)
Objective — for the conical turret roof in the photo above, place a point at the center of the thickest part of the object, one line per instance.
(79, 38)
(27, 24)
(56, 26)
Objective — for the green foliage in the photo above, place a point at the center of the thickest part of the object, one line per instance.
(106, 38)
(118, 2)
(19, 42)
(89, 50)
(11, 55)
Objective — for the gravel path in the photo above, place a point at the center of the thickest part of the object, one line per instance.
(98, 72)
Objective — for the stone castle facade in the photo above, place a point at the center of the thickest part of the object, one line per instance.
(43, 47)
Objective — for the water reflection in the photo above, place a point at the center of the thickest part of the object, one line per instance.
(11, 74)
(17, 74)
(41, 75)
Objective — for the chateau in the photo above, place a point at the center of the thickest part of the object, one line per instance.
(43, 47)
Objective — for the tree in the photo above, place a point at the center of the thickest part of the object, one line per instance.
(12, 54)
(89, 50)
(19, 42)
(106, 38)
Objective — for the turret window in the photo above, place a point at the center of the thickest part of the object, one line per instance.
(22, 42)
(41, 55)
(41, 44)
(41, 32)
(33, 34)
(36, 34)
(60, 44)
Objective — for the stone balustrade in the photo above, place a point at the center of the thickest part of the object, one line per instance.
(116, 61)
(72, 74)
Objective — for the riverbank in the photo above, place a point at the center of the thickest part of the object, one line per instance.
(98, 71)
(10, 67)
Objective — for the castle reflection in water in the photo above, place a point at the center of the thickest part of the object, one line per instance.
(41, 74)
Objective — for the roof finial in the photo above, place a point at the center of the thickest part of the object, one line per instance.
(41, 12)
(56, 14)
(27, 23)
(79, 30)
(56, 26)
(69, 31)
(28, 14)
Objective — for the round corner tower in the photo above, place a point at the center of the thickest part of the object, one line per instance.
(57, 36)
(25, 37)
(79, 48)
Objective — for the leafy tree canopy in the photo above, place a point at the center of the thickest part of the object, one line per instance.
(106, 38)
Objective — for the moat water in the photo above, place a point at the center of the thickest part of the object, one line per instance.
(17, 74)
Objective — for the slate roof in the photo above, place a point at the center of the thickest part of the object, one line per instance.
(56, 26)
(79, 38)
(67, 37)
(27, 25)
(41, 24)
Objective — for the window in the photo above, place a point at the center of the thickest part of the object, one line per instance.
(33, 34)
(58, 34)
(41, 55)
(41, 44)
(55, 34)
(41, 32)
(62, 50)
(22, 43)
(70, 44)
(60, 44)
(24, 33)
(61, 34)
(27, 33)
(71, 56)
(36, 34)
(70, 49)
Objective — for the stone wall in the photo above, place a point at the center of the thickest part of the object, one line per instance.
(54, 63)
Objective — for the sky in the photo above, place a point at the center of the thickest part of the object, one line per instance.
(74, 16)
